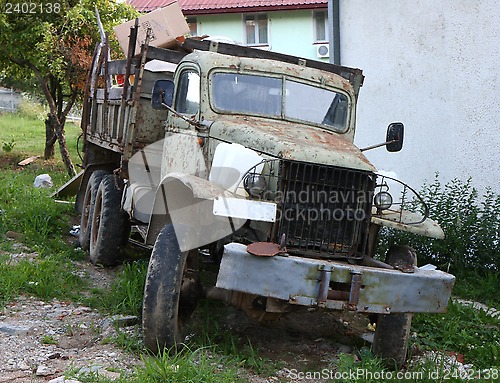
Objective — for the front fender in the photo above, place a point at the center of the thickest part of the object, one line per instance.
(401, 220)
(191, 195)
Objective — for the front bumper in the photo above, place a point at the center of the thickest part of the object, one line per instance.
(334, 284)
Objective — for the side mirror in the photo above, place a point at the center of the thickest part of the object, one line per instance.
(394, 138)
(163, 93)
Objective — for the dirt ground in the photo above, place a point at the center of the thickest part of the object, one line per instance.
(40, 341)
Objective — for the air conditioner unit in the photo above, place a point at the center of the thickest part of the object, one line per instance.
(323, 50)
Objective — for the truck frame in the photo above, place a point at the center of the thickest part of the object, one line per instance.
(246, 157)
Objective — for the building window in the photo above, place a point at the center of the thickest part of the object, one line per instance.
(193, 27)
(256, 29)
(320, 20)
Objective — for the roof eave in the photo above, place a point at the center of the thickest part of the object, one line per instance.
(218, 11)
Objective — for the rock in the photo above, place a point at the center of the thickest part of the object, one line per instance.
(23, 366)
(343, 349)
(43, 370)
(14, 235)
(62, 379)
(368, 336)
(14, 329)
(109, 374)
(119, 321)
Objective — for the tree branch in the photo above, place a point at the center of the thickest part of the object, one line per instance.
(43, 81)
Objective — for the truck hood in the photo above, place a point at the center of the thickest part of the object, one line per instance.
(291, 141)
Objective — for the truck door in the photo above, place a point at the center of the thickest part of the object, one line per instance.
(181, 151)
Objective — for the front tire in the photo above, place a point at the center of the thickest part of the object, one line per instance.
(393, 330)
(171, 292)
(108, 224)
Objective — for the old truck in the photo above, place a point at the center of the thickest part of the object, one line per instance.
(243, 159)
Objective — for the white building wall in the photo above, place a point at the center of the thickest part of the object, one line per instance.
(433, 65)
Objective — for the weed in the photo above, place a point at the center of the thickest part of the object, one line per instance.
(49, 339)
(127, 341)
(199, 365)
(463, 329)
(8, 146)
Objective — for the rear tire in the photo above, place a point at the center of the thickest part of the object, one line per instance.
(393, 330)
(108, 224)
(88, 207)
(171, 292)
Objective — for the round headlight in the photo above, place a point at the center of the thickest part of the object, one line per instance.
(382, 200)
(255, 184)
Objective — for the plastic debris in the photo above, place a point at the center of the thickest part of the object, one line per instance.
(75, 231)
(43, 181)
(428, 267)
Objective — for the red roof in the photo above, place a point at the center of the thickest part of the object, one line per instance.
(197, 7)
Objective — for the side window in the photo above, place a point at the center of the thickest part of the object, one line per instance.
(187, 100)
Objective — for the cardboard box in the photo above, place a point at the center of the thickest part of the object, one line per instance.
(166, 23)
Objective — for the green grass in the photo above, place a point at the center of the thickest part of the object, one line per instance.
(125, 295)
(464, 330)
(481, 287)
(27, 134)
(213, 354)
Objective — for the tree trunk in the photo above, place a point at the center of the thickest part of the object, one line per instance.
(63, 148)
(50, 137)
(54, 124)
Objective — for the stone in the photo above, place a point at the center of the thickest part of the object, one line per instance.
(344, 349)
(62, 379)
(43, 370)
(119, 321)
(22, 365)
(14, 329)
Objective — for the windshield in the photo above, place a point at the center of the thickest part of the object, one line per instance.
(260, 95)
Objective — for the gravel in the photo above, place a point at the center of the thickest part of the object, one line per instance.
(29, 326)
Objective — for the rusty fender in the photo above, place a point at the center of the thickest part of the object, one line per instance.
(182, 191)
(334, 284)
(401, 221)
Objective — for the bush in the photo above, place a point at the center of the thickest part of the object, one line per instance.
(471, 225)
(31, 108)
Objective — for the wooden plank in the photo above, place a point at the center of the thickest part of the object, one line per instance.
(167, 55)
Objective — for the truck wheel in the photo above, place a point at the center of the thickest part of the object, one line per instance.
(88, 207)
(108, 224)
(393, 330)
(171, 292)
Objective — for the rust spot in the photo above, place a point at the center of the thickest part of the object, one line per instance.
(289, 139)
(264, 249)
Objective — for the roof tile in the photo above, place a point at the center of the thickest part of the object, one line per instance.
(221, 6)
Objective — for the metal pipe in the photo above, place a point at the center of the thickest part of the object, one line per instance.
(324, 284)
(334, 30)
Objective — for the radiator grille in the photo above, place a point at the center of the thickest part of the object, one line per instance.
(324, 210)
